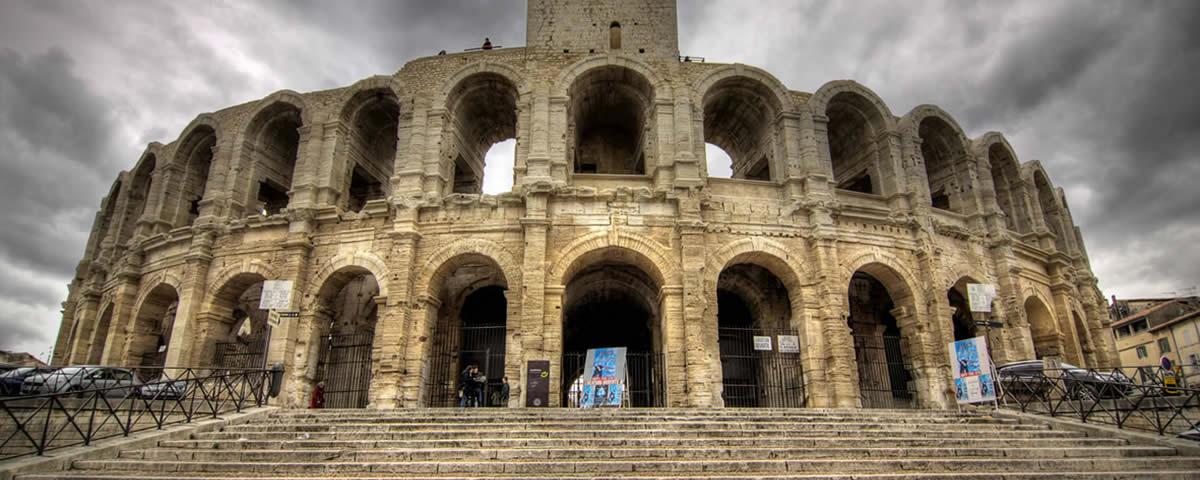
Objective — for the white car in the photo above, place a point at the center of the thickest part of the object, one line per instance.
(117, 382)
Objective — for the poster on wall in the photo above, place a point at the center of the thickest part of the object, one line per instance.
(276, 295)
(972, 371)
(604, 366)
(789, 344)
(980, 296)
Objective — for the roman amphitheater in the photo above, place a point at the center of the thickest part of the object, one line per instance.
(851, 226)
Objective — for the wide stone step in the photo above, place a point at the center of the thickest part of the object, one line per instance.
(674, 453)
(1161, 474)
(616, 425)
(517, 416)
(965, 466)
(732, 442)
(646, 433)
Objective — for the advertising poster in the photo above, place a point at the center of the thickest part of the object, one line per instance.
(601, 395)
(604, 366)
(972, 371)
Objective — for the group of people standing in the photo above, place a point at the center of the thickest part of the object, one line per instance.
(471, 386)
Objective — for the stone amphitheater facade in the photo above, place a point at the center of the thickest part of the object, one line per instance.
(842, 222)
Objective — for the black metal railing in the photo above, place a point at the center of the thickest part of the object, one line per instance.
(1149, 399)
(80, 405)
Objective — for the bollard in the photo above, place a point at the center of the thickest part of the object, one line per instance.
(276, 379)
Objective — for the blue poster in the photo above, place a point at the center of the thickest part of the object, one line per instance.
(971, 368)
(601, 395)
(605, 366)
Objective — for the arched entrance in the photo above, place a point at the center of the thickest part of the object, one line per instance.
(152, 326)
(885, 372)
(344, 320)
(237, 327)
(470, 329)
(612, 300)
(100, 336)
(1041, 327)
(753, 304)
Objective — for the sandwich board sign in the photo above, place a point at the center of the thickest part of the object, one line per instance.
(972, 371)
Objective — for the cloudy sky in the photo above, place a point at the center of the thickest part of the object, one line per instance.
(1102, 92)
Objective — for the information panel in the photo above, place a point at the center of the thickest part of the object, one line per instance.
(537, 383)
(972, 371)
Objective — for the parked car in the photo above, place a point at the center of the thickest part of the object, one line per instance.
(116, 382)
(163, 389)
(1028, 377)
(11, 381)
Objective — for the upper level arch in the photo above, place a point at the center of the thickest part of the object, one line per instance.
(740, 108)
(609, 125)
(945, 151)
(857, 122)
(481, 110)
(371, 115)
(1048, 205)
(270, 147)
(1004, 171)
(194, 154)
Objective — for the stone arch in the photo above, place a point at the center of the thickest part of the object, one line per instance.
(270, 148)
(353, 98)
(961, 326)
(1043, 327)
(108, 218)
(738, 295)
(1049, 207)
(783, 100)
(191, 164)
(611, 121)
(100, 333)
(945, 152)
(856, 145)
(482, 108)
(647, 254)
(246, 266)
(1008, 189)
(366, 261)
(739, 111)
(152, 323)
(562, 84)
(439, 263)
(504, 70)
(141, 180)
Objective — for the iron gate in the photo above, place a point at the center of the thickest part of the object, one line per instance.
(884, 372)
(481, 345)
(644, 376)
(345, 367)
(759, 378)
(242, 354)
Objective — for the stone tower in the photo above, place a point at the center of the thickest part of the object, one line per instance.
(634, 27)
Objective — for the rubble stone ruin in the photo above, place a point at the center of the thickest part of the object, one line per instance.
(853, 228)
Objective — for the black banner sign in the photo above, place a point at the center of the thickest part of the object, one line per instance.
(537, 384)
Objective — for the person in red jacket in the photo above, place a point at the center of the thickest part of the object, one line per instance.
(318, 396)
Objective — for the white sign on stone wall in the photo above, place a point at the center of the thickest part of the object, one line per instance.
(762, 343)
(980, 296)
(789, 344)
(276, 295)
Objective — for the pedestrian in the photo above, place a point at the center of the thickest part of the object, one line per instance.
(504, 391)
(318, 396)
(472, 387)
(487, 43)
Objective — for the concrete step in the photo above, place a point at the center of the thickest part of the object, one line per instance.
(628, 426)
(366, 434)
(964, 466)
(679, 453)
(731, 442)
(1162, 474)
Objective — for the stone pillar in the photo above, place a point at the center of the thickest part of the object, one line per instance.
(434, 168)
(285, 339)
(537, 165)
(391, 337)
(560, 169)
(534, 315)
(700, 332)
(552, 340)
(85, 318)
(675, 332)
(685, 164)
(148, 223)
(1061, 310)
(840, 365)
(186, 346)
(123, 320)
(422, 316)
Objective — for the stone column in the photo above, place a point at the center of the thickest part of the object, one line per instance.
(1061, 311)
(186, 347)
(534, 315)
(678, 371)
(700, 333)
(391, 336)
(552, 340)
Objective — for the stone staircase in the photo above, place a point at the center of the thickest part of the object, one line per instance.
(638, 443)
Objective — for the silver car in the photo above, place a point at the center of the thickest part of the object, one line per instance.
(116, 382)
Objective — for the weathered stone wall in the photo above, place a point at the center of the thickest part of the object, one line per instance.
(673, 223)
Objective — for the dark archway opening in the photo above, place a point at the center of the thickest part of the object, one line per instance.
(608, 114)
(752, 303)
(374, 117)
(276, 136)
(612, 304)
(964, 324)
(884, 370)
(470, 329)
(738, 117)
(152, 328)
(346, 323)
(852, 142)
